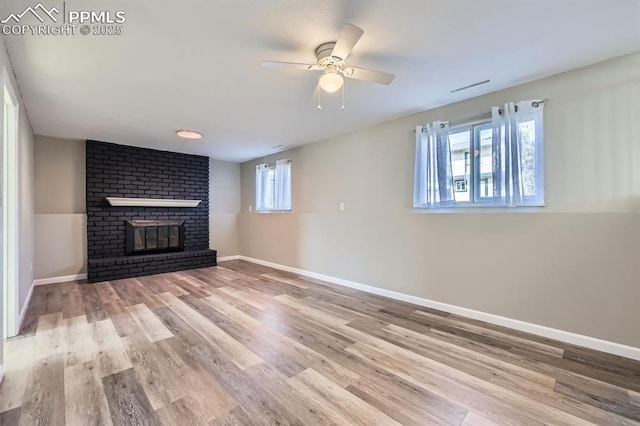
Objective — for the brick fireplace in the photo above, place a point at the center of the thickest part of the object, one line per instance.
(161, 239)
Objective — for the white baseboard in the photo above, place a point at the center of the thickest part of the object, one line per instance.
(540, 330)
(225, 258)
(61, 279)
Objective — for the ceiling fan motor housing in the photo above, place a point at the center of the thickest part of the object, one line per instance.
(331, 58)
(325, 60)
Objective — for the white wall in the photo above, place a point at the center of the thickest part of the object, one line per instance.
(224, 207)
(26, 208)
(572, 265)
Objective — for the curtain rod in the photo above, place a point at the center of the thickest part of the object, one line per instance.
(534, 104)
(470, 119)
(486, 115)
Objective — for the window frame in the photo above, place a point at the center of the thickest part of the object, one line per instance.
(271, 182)
(463, 127)
(474, 127)
(477, 165)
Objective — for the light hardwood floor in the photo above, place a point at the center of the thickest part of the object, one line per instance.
(242, 344)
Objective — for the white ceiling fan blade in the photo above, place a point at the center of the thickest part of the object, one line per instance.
(369, 75)
(291, 65)
(348, 38)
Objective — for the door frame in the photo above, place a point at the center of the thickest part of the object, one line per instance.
(10, 212)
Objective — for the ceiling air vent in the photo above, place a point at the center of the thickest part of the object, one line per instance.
(459, 89)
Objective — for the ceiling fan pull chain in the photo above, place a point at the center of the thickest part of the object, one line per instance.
(343, 97)
(319, 103)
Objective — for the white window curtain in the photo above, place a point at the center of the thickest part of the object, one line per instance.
(517, 154)
(283, 185)
(262, 182)
(433, 178)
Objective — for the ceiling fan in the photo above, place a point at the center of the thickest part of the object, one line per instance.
(331, 61)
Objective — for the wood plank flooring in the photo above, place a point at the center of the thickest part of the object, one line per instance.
(241, 344)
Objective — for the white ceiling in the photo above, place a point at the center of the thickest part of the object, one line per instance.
(197, 65)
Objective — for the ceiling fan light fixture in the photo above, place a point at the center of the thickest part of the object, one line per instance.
(189, 134)
(331, 82)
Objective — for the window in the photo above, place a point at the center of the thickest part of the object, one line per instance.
(273, 186)
(472, 174)
(495, 162)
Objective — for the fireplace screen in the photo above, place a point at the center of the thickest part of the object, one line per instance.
(154, 236)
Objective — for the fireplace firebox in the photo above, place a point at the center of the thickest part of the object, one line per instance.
(154, 236)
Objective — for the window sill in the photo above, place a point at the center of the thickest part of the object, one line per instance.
(479, 208)
(272, 211)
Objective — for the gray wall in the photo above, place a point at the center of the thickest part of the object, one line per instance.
(572, 265)
(60, 220)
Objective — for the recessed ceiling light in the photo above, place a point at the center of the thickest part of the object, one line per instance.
(189, 134)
